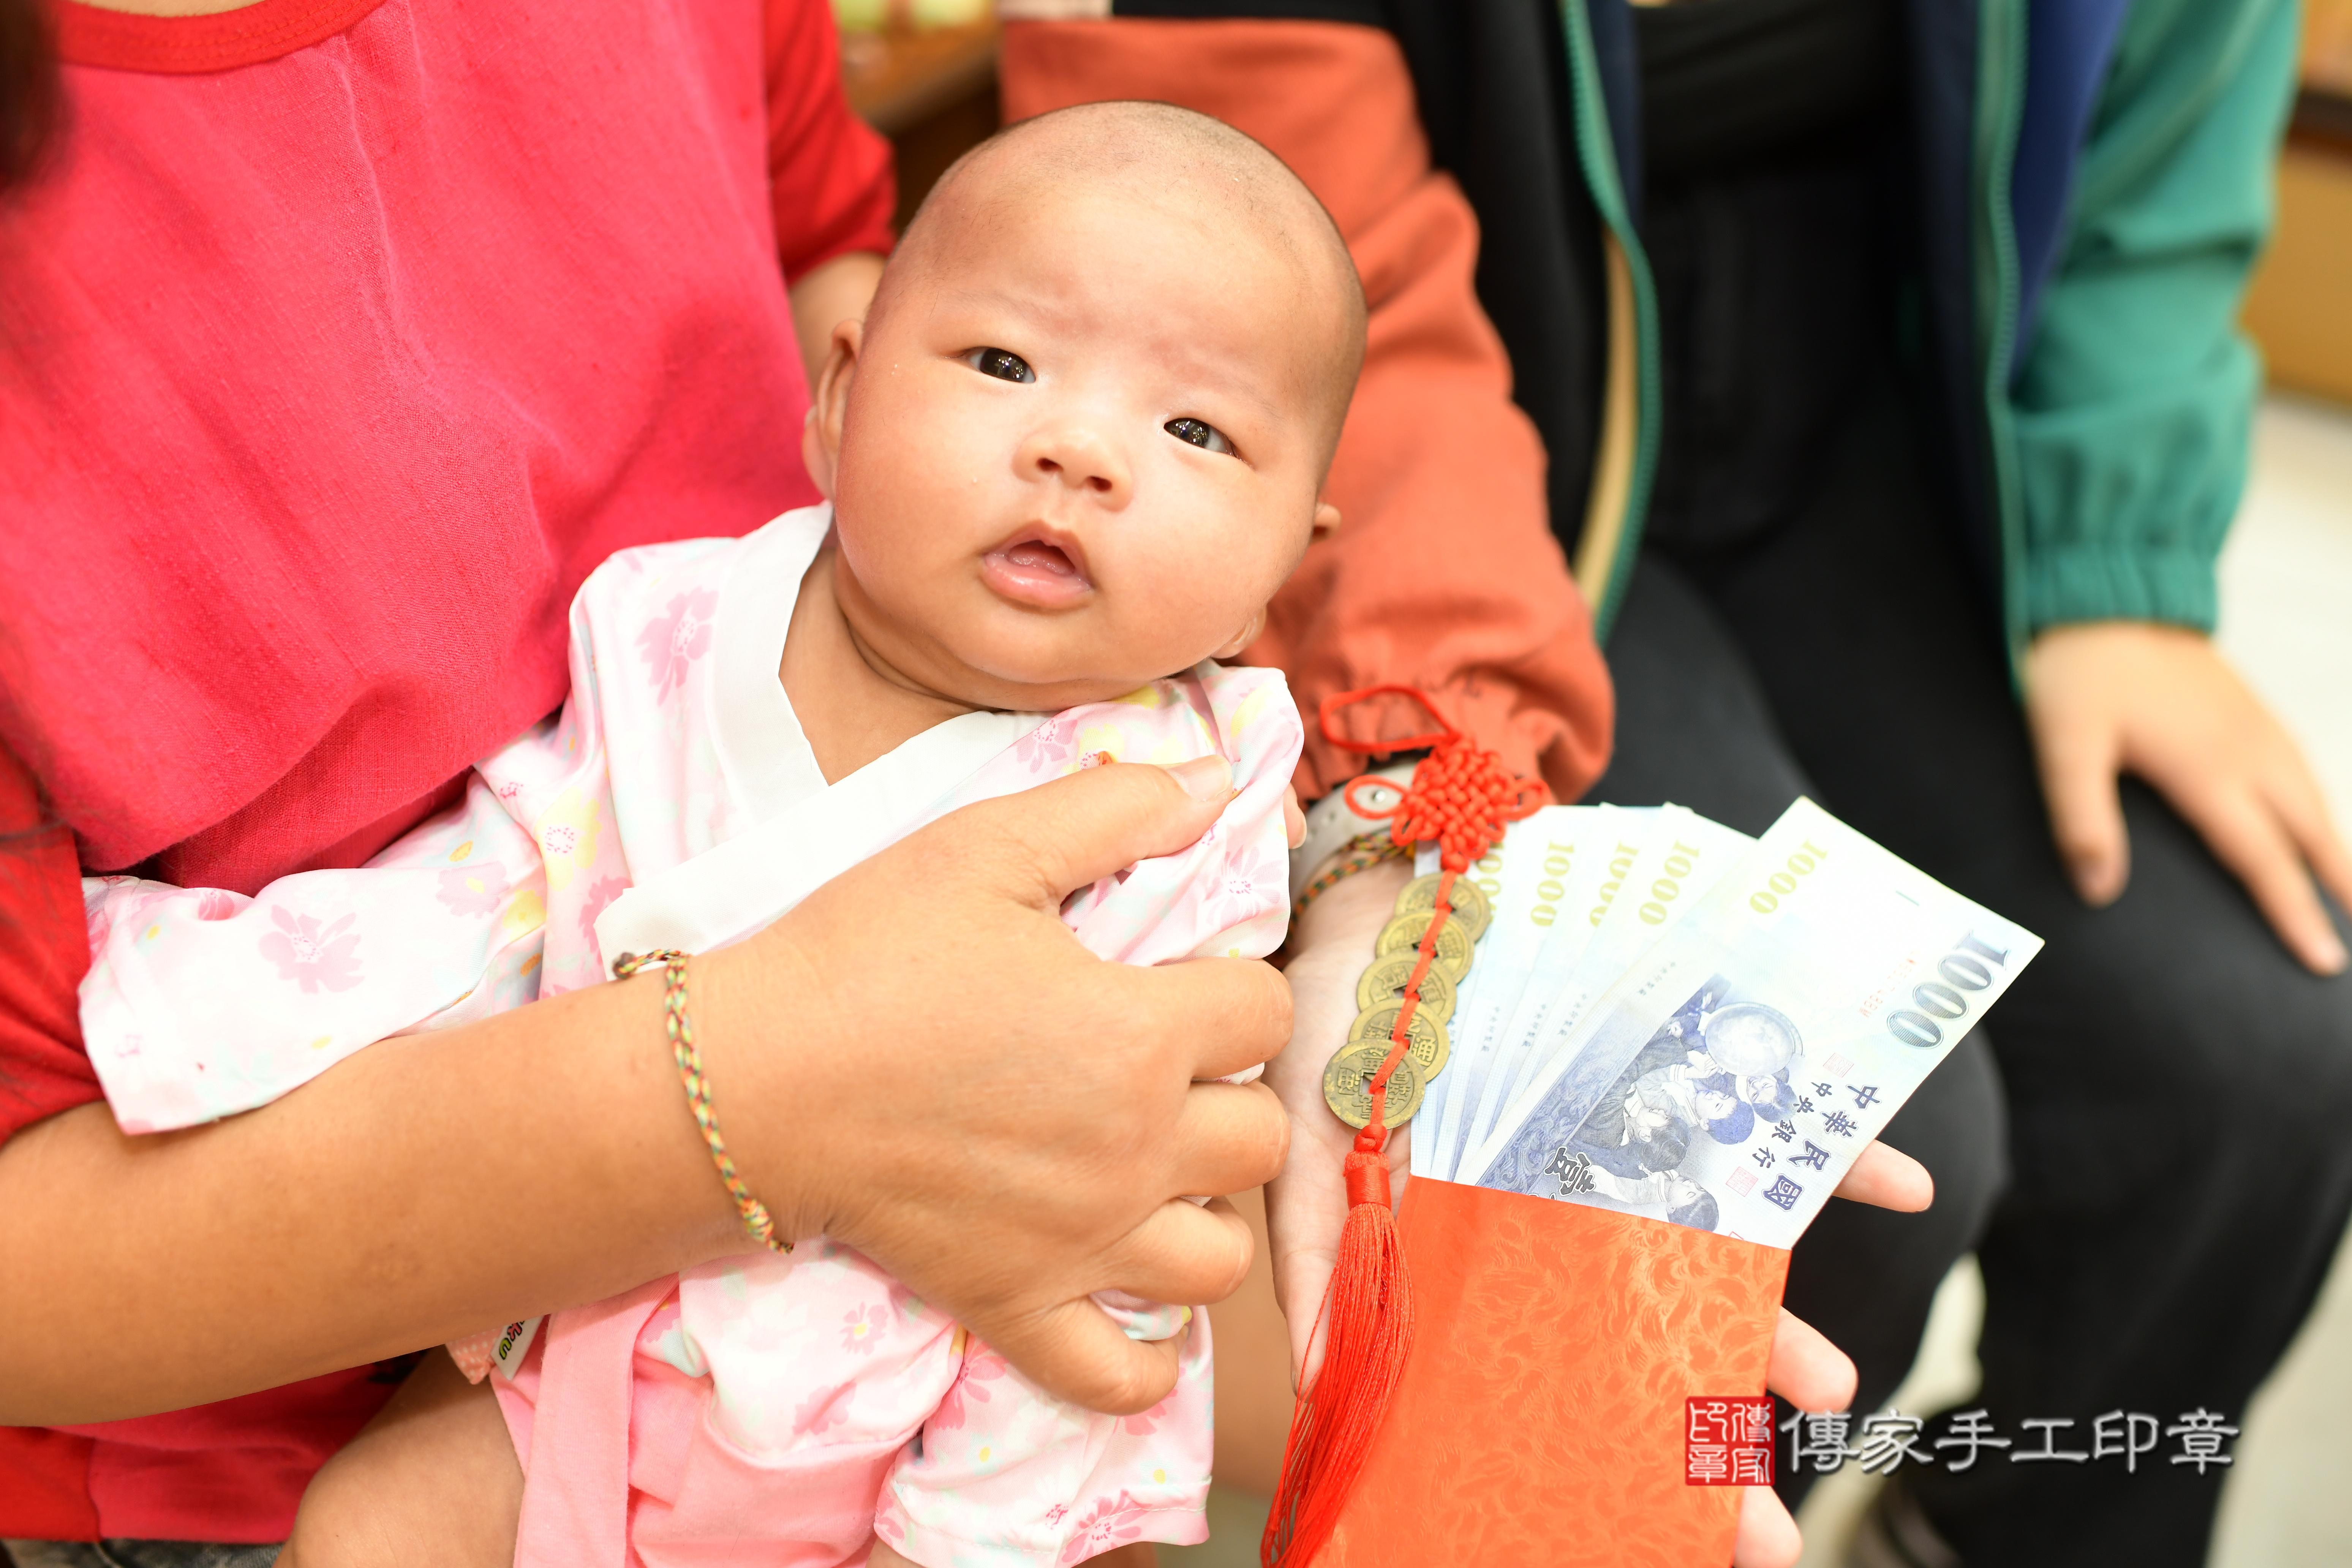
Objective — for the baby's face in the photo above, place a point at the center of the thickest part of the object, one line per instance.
(1077, 447)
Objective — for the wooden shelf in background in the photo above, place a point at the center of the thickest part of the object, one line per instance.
(2299, 307)
(897, 80)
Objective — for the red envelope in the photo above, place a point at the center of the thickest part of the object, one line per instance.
(1541, 1420)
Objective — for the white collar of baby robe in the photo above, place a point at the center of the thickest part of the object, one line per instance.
(808, 832)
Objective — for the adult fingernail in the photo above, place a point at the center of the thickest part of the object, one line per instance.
(1205, 778)
(2095, 882)
(2328, 955)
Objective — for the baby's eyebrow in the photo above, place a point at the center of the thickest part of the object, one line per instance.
(1245, 394)
(1250, 379)
(1035, 305)
(1258, 402)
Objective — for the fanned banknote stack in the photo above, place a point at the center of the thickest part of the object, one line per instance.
(1668, 1018)
(1654, 1049)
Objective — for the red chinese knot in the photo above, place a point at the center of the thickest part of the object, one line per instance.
(1462, 799)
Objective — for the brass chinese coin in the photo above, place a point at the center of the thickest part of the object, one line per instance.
(1427, 1042)
(1404, 934)
(1347, 1086)
(1385, 981)
(1469, 901)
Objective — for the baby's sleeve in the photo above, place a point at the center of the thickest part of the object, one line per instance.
(1227, 895)
(200, 1002)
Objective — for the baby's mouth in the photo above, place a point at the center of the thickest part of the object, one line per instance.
(1032, 569)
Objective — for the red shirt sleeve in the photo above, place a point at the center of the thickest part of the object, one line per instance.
(830, 178)
(43, 952)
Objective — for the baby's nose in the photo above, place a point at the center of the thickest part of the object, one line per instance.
(1079, 457)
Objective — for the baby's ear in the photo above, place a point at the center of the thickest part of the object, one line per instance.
(821, 435)
(1327, 519)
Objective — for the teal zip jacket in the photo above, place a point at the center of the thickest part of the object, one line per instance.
(2121, 439)
(2096, 186)
(2092, 185)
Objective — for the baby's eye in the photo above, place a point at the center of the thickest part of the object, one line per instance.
(1001, 363)
(1200, 433)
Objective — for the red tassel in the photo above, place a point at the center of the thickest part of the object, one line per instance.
(1367, 1316)
(1461, 797)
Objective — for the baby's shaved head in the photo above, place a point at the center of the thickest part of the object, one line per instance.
(1081, 436)
(1186, 169)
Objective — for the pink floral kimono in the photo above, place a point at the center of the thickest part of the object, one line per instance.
(761, 1410)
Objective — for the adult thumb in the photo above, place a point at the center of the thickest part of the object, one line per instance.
(1042, 845)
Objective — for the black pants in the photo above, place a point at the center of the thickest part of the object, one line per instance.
(134, 1554)
(2149, 1145)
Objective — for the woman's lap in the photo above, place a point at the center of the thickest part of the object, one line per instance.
(1694, 727)
(2176, 1085)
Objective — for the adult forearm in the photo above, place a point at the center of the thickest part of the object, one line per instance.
(428, 1187)
(919, 1062)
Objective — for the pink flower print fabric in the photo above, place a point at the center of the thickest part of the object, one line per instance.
(1229, 894)
(1111, 1522)
(979, 1380)
(474, 889)
(806, 1354)
(200, 1003)
(671, 643)
(780, 1409)
(312, 955)
(1045, 749)
(1007, 1476)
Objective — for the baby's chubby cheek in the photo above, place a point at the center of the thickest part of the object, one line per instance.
(1191, 592)
(889, 485)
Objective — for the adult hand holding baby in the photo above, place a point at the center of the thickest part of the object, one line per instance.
(954, 1085)
(920, 1060)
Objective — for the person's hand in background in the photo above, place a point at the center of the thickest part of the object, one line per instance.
(2106, 697)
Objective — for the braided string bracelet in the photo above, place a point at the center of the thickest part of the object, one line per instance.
(1360, 853)
(698, 1088)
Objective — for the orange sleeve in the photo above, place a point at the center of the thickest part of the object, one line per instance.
(1443, 574)
(830, 178)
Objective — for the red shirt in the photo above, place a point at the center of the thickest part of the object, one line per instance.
(341, 341)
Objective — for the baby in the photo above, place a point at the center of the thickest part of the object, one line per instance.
(1071, 452)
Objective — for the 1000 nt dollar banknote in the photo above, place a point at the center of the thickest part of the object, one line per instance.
(1730, 1077)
